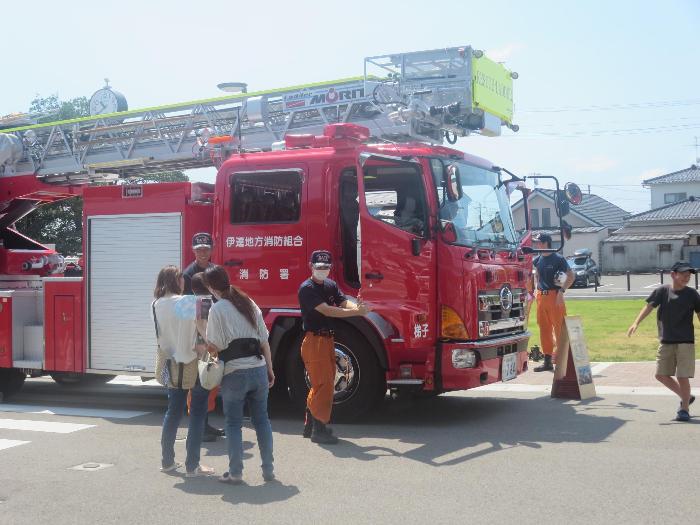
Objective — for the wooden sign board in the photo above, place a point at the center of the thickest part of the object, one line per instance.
(573, 377)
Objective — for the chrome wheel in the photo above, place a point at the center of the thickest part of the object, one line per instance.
(347, 374)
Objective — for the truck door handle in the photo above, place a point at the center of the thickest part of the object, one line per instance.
(233, 262)
(374, 275)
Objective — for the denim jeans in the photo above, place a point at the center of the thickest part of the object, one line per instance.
(237, 387)
(177, 399)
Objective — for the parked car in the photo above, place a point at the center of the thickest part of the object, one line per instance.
(584, 267)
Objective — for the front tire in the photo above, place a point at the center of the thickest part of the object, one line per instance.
(359, 380)
(11, 381)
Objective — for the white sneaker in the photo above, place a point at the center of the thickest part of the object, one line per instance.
(201, 470)
(227, 477)
(170, 468)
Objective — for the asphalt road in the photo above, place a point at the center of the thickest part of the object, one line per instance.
(477, 457)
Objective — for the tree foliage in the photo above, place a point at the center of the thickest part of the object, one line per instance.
(60, 223)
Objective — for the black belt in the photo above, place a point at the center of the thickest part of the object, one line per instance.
(322, 333)
(244, 347)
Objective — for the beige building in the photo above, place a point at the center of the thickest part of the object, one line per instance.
(655, 239)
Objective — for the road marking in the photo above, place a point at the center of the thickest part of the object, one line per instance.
(653, 285)
(42, 426)
(9, 443)
(68, 411)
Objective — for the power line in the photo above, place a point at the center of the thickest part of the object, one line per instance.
(614, 107)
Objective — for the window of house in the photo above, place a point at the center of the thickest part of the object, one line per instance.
(620, 250)
(670, 198)
(664, 247)
(266, 197)
(546, 218)
(534, 218)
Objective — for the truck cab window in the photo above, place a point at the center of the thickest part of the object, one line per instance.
(265, 197)
(395, 195)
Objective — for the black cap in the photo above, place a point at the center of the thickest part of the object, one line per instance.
(542, 237)
(201, 240)
(321, 258)
(682, 266)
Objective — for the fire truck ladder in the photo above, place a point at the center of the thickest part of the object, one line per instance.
(424, 96)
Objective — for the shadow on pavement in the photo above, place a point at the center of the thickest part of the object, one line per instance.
(450, 430)
(440, 431)
(235, 494)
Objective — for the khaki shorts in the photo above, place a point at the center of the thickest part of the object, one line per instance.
(676, 359)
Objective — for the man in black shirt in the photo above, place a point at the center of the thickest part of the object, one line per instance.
(676, 354)
(201, 246)
(320, 299)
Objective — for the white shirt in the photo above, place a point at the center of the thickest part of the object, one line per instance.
(226, 323)
(177, 328)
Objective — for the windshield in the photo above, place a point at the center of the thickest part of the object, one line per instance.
(482, 215)
(577, 261)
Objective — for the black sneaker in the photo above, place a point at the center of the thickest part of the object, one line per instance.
(690, 401)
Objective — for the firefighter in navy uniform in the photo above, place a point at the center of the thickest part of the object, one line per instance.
(320, 299)
(201, 246)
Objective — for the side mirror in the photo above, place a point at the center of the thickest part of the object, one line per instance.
(453, 183)
(448, 232)
(573, 193)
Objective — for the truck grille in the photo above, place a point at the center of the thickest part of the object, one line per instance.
(494, 319)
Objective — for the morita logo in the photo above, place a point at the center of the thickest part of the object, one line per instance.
(131, 192)
(333, 95)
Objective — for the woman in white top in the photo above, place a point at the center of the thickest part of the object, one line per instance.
(176, 324)
(236, 333)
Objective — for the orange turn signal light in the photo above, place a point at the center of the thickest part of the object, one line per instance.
(452, 326)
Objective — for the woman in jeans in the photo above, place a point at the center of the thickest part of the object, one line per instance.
(237, 334)
(176, 328)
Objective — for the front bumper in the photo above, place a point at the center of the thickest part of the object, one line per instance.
(487, 368)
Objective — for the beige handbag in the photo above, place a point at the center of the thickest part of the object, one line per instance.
(211, 371)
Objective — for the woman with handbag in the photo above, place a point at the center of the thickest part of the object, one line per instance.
(175, 321)
(236, 333)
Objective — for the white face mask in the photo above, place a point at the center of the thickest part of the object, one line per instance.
(320, 275)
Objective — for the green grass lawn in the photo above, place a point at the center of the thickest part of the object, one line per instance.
(605, 324)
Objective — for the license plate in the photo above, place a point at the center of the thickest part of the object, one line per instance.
(509, 367)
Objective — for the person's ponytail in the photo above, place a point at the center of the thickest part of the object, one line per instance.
(216, 278)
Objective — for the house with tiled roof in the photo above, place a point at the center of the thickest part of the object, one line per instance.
(592, 221)
(655, 239)
(674, 187)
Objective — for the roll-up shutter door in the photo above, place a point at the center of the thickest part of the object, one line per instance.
(125, 254)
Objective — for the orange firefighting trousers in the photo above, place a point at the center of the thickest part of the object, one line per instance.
(319, 359)
(550, 318)
(211, 402)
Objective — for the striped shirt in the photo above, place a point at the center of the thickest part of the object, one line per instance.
(226, 323)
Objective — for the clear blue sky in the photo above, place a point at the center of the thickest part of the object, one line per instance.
(607, 95)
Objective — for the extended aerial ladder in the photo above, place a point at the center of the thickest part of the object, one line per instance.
(424, 96)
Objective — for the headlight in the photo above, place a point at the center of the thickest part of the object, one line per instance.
(462, 358)
(580, 272)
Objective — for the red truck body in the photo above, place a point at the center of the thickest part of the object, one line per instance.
(445, 277)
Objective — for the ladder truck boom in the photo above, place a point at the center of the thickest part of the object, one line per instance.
(422, 96)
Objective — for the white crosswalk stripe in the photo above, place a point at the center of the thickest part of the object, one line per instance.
(9, 443)
(14, 432)
(42, 426)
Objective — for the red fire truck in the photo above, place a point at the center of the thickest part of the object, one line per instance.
(422, 232)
